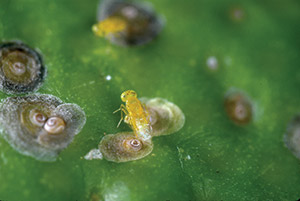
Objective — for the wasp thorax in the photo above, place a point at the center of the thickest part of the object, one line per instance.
(55, 125)
(123, 147)
(238, 107)
(165, 117)
(31, 124)
(142, 23)
(21, 68)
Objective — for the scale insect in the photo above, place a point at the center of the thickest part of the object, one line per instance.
(40, 125)
(127, 23)
(136, 115)
(21, 68)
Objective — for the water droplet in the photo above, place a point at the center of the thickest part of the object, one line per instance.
(212, 63)
(108, 77)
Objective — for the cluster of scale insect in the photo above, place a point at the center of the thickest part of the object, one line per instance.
(160, 115)
(37, 125)
(40, 125)
(127, 23)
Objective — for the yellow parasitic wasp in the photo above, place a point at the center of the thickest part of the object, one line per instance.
(108, 26)
(136, 115)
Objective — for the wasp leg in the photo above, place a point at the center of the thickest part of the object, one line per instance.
(123, 110)
(121, 107)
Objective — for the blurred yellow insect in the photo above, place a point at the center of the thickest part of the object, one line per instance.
(108, 26)
(137, 115)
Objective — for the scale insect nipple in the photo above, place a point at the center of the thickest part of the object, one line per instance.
(55, 125)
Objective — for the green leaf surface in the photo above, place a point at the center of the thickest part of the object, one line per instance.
(210, 158)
